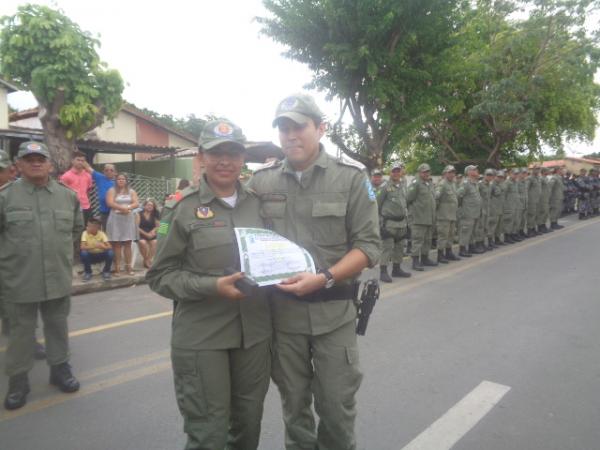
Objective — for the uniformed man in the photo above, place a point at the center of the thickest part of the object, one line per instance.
(523, 194)
(328, 207)
(469, 202)
(557, 195)
(485, 192)
(220, 345)
(512, 207)
(534, 192)
(6, 176)
(446, 211)
(544, 202)
(584, 189)
(496, 209)
(377, 181)
(421, 202)
(39, 220)
(393, 221)
(595, 190)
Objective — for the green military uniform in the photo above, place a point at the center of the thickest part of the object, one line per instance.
(522, 186)
(330, 210)
(5, 164)
(534, 192)
(421, 202)
(496, 209)
(557, 196)
(485, 192)
(446, 210)
(544, 202)
(469, 201)
(393, 221)
(220, 348)
(512, 205)
(37, 228)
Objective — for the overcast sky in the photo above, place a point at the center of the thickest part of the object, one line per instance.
(206, 56)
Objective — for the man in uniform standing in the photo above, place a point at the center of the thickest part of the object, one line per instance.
(557, 196)
(421, 201)
(469, 201)
(39, 220)
(446, 210)
(595, 190)
(534, 192)
(328, 207)
(544, 205)
(512, 204)
(496, 207)
(377, 181)
(485, 192)
(393, 221)
(523, 194)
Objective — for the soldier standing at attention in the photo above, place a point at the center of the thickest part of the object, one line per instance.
(595, 190)
(512, 204)
(421, 201)
(377, 181)
(485, 191)
(446, 210)
(220, 344)
(469, 201)
(522, 188)
(496, 207)
(393, 221)
(328, 207)
(39, 220)
(534, 192)
(544, 205)
(557, 197)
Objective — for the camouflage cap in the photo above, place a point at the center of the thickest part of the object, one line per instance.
(397, 165)
(217, 132)
(4, 160)
(490, 172)
(33, 148)
(301, 108)
(449, 168)
(469, 168)
(545, 170)
(424, 168)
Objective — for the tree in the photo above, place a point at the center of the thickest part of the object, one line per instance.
(45, 52)
(377, 57)
(513, 86)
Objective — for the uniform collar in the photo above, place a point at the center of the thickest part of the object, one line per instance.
(30, 187)
(207, 195)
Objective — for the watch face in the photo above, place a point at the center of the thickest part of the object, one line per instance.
(329, 283)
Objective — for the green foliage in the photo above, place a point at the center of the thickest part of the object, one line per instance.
(47, 53)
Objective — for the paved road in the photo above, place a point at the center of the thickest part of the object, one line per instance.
(523, 320)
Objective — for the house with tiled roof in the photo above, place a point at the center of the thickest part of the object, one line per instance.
(572, 163)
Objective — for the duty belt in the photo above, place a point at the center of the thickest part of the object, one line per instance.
(345, 292)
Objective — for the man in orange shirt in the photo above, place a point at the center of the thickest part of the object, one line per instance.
(79, 180)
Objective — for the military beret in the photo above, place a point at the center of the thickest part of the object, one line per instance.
(424, 168)
(33, 148)
(220, 131)
(301, 108)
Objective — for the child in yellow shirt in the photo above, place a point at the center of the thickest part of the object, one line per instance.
(95, 248)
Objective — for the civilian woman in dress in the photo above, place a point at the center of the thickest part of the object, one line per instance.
(121, 227)
(147, 223)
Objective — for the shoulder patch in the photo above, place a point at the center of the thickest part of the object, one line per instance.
(269, 165)
(370, 190)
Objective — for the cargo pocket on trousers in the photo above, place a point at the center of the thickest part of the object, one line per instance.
(189, 389)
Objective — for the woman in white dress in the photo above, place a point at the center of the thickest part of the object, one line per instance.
(121, 227)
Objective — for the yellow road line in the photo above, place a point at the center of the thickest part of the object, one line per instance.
(464, 265)
(85, 390)
(138, 361)
(109, 326)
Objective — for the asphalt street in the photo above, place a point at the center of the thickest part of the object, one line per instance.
(500, 351)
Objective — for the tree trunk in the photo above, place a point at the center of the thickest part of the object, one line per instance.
(60, 147)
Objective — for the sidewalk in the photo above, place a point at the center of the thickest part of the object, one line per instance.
(97, 284)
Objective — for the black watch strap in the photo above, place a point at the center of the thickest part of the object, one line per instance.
(328, 277)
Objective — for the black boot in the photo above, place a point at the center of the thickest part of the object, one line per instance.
(508, 239)
(18, 388)
(433, 243)
(5, 327)
(416, 265)
(383, 275)
(556, 226)
(441, 258)
(498, 242)
(427, 262)
(474, 249)
(481, 246)
(523, 235)
(39, 351)
(515, 237)
(492, 243)
(398, 272)
(61, 376)
(490, 246)
(450, 256)
(464, 252)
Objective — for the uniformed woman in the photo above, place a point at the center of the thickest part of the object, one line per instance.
(220, 346)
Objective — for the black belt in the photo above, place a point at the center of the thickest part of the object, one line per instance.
(345, 292)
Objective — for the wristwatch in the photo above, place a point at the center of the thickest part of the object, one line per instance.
(328, 277)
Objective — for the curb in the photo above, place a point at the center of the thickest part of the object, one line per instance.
(97, 284)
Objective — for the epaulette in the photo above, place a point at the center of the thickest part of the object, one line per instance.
(352, 163)
(269, 165)
(175, 198)
(4, 186)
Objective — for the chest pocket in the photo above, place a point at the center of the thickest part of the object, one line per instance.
(273, 214)
(329, 222)
(212, 247)
(19, 224)
(63, 221)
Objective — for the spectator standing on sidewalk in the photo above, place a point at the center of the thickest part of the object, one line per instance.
(80, 181)
(120, 227)
(104, 181)
(95, 248)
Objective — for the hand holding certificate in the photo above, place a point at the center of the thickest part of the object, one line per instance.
(268, 258)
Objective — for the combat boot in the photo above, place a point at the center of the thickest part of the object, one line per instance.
(416, 265)
(383, 275)
(464, 252)
(398, 272)
(441, 258)
(515, 237)
(481, 246)
(450, 256)
(508, 239)
(425, 261)
(498, 242)
(556, 226)
(475, 250)
(490, 246)
(39, 351)
(523, 234)
(18, 388)
(61, 376)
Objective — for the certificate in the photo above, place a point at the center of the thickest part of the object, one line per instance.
(268, 258)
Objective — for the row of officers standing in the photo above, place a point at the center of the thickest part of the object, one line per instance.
(482, 213)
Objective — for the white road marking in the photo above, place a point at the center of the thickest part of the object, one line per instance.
(445, 432)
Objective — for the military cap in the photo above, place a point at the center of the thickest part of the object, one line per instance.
(397, 165)
(490, 172)
(424, 168)
(301, 108)
(4, 160)
(500, 173)
(516, 171)
(469, 168)
(220, 131)
(377, 172)
(33, 148)
(545, 170)
(536, 167)
(449, 168)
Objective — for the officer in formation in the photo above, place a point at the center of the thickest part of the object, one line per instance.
(446, 200)
(469, 202)
(377, 181)
(524, 195)
(534, 192)
(421, 202)
(328, 207)
(595, 190)
(393, 214)
(571, 192)
(39, 221)
(512, 208)
(557, 195)
(220, 344)
(544, 205)
(495, 212)
(485, 192)
(584, 195)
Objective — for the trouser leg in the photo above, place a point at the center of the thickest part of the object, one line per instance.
(337, 379)
(203, 393)
(466, 232)
(427, 237)
(418, 239)
(492, 224)
(398, 241)
(387, 250)
(56, 330)
(86, 260)
(531, 216)
(293, 374)
(480, 228)
(250, 375)
(507, 218)
(19, 353)
(444, 236)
